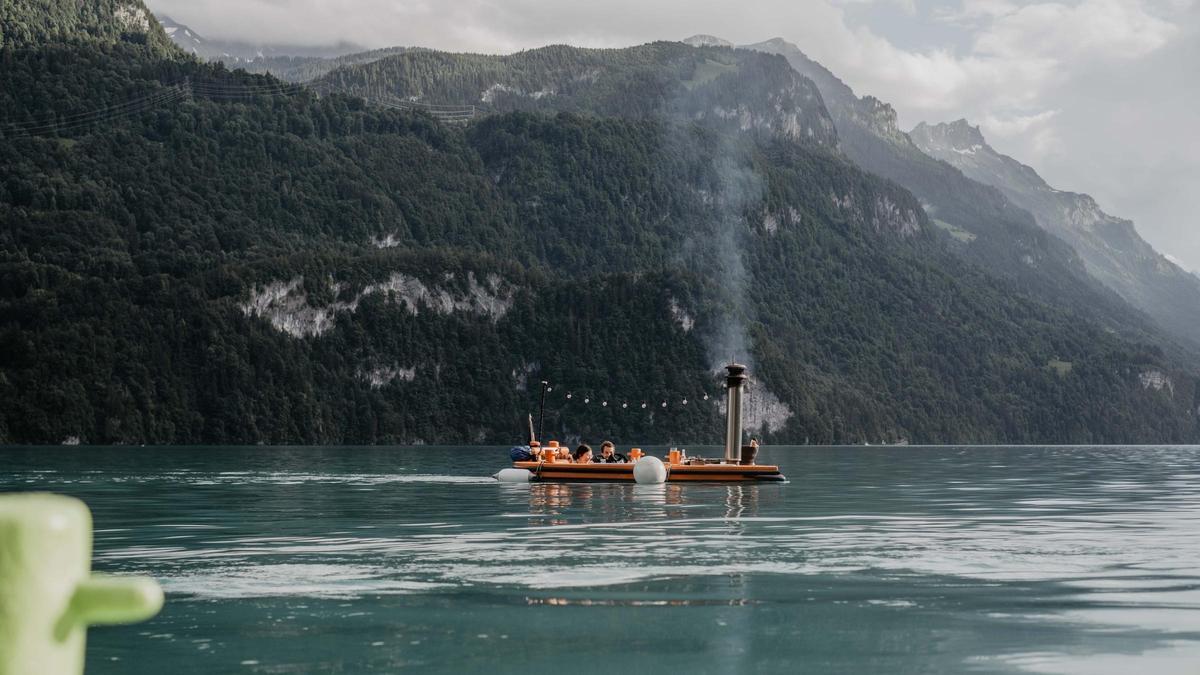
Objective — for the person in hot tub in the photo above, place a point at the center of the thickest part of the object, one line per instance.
(583, 454)
(608, 454)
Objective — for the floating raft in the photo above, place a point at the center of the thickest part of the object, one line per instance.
(533, 463)
(676, 473)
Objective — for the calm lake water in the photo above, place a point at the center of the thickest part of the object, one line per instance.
(885, 560)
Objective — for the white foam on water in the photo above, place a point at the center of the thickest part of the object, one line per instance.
(1175, 656)
(306, 580)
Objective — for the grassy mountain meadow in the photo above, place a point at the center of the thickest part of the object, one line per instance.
(237, 261)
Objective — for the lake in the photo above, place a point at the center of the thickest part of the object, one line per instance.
(887, 560)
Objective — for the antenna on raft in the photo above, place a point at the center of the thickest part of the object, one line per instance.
(542, 409)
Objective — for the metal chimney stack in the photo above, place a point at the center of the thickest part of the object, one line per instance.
(735, 380)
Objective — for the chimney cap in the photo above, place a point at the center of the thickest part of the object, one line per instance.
(736, 375)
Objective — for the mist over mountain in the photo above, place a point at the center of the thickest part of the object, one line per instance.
(193, 255)
(237, 54)
(1110, 247)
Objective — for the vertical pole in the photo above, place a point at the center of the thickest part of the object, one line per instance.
(542, 410)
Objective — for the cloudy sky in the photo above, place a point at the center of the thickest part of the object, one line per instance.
(1100, 96)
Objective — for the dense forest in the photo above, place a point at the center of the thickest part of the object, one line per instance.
(228, 259)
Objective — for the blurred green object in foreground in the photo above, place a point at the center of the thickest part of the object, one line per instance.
(48, 595)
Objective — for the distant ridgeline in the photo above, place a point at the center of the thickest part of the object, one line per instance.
(1109, 247)
(235, 261)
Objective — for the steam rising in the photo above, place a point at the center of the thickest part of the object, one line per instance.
(739, 193)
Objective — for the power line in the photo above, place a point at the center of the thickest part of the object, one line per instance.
(60, 119)
(444, 112)
(222, 89)
(212, 89)
(106, 114)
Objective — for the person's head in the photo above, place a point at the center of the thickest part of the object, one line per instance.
(583, 453)
(607, 449)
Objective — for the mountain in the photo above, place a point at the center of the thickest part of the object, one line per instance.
(36, 22)
(735, 89)
(988, 228)
(237, 54)
(183, 37)
(308, 68)
(295, 63)
(234, 260)
(1110, 247)
(706, 41)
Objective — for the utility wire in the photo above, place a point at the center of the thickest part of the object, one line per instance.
(106, 114)
(208, 88)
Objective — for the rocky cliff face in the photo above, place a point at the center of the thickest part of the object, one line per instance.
(1110, 247)
(849, 112)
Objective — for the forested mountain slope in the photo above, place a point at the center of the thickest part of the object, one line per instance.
(38, 22)
(989, 229)
(247, 262)
(1110, 247)
(308, 68)
(746, 90)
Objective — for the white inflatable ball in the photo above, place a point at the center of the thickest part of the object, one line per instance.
(514, 476)
(649, 471)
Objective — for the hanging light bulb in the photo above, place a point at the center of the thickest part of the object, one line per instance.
(643, 405)
(685, 401)
(624, 405)
(664, 404)
(568, 397)
(587, 400)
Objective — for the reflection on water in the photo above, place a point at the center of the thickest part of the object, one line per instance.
(549, 503)
(1049, 560)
